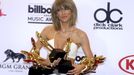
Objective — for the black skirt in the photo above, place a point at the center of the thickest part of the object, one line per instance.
(63, 67)
(39, 71)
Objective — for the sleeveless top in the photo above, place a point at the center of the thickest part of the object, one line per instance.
(73, 49)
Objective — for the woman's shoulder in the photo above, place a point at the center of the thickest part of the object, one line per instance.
(80, 32)
(49, 28)
(78, 35)
(48, 31)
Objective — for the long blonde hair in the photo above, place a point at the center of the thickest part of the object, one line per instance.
(67, 4)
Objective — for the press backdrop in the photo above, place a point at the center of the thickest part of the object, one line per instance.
(108, 24)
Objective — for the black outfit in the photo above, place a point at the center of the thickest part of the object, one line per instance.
(39, 71)
(63, 67)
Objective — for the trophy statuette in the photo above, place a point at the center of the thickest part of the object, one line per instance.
(33, 55)
(65, 64)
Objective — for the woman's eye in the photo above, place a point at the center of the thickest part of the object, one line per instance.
(67, 9)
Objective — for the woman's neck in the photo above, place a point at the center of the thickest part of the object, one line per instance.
(65, 27)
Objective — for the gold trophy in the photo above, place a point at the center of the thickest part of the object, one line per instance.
(54, 53)
(65, 64)
(44, 41)
(91, 64)
(33, 55)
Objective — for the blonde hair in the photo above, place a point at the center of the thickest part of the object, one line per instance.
(66, 4)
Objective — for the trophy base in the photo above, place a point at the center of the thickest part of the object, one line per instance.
(56, 53)
(64, 66)
(36, 70)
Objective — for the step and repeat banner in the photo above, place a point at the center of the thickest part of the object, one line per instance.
(108, 24)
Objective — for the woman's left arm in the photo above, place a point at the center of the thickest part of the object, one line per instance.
(84, 42)
(86, 45)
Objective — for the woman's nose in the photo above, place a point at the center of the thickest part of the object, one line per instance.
(63, 11)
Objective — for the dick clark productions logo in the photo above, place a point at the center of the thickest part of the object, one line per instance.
(108, 14)
(109, 21)
(127, 64)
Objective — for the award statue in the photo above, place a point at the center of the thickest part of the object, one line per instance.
(64, 64)
(33, 56)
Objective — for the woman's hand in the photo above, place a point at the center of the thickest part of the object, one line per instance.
(55, 62)
(77, 69)
(46, 62)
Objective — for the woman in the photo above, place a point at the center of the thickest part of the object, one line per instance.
(64, 16)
